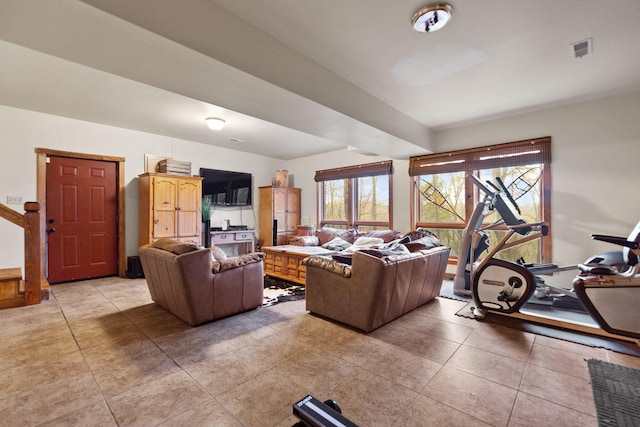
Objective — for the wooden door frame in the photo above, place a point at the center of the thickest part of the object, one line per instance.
(41, 196)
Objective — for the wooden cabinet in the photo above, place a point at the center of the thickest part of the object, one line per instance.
(285, 262)
(280, 204)
(169, 207)
(286, 266)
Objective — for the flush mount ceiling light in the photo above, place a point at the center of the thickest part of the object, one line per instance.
(432, 17)
(214, 123)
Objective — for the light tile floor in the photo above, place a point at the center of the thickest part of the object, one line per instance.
(100, 353)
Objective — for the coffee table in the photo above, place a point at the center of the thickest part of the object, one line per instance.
(285, 261)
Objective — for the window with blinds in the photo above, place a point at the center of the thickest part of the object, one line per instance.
(357, 196)
(443, 198)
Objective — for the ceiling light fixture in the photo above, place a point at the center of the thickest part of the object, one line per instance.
(215, 123)
(432, 17)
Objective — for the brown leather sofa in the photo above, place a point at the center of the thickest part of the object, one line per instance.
(197, 287)
(326, 235)
(376, 288)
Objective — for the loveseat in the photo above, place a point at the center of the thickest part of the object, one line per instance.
(201, 284)
(379, 285)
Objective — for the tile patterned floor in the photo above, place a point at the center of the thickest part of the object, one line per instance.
(100, 353)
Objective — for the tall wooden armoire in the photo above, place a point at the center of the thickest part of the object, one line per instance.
(170, 206)
(279, 214)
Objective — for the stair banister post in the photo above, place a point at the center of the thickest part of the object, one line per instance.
(32, 269)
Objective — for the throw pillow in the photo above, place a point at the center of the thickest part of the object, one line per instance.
(392, 244)
(304, 241)
(326, 234)
(382, 252)
(415, 246)
(419, 233)
(426, 242)
(364, 243)
(368, 241)
(429, 241)
(218, 253)
(336, 244)
(386, 235)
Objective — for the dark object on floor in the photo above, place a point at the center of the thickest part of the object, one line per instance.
(314, 413)
(466, 311)
(134, 268)
(616, 392)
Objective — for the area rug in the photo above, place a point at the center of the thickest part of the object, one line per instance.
(467, 311)
(276, 291)
(616, 392)
(446, 291)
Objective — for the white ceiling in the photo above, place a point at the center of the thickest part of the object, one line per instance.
(294, 78)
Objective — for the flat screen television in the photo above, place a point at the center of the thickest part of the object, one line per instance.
(227, 188)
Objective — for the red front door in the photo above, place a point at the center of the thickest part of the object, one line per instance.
(82, 222)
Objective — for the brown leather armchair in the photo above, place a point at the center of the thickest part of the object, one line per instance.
(190, 283)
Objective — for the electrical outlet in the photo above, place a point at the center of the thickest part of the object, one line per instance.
(14, 200)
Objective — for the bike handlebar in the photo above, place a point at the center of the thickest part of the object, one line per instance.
(509, 196)
(622, 241)
(481, 185)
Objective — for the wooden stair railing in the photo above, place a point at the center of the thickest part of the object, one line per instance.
(33, 277)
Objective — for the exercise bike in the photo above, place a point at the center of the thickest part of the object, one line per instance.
(612, 295)
(607, 286)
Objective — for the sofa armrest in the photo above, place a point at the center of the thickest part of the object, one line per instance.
(328, 264)
(240, 261)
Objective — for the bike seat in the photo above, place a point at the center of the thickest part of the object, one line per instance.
(599, 269)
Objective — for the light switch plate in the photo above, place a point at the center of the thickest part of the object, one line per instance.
(14, 200)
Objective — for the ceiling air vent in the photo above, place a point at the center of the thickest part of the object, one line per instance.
(581, 48)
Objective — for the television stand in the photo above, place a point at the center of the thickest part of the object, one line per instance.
(234, 242)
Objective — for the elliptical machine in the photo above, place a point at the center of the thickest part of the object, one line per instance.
(496, 284)
(608, 285)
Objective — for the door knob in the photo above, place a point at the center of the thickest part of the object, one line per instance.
(50, 230)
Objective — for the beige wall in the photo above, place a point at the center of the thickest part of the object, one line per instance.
(596, 152)
(595, 158)
(22, 131)
(595, 146)
(303, 171)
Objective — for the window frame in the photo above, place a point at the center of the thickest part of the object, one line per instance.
(472, 161)
(351, 175)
